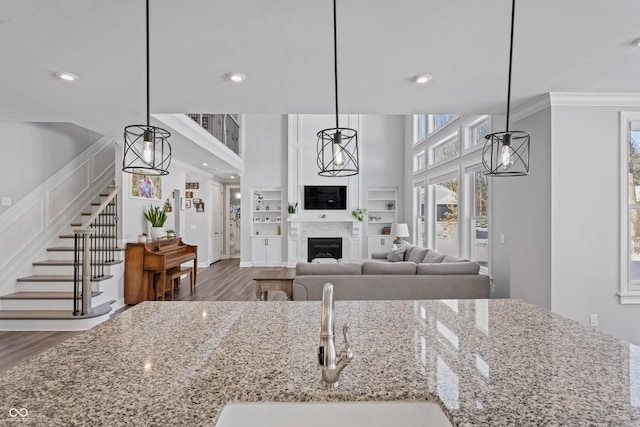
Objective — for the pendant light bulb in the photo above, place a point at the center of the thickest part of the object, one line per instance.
(147, 147)
(338, 152)
(506, 156)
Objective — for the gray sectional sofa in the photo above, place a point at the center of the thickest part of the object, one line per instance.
(434, 276)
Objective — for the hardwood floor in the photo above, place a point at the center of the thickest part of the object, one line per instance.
(221, 281)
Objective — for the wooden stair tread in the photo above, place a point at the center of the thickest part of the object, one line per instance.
(79, 224)
(99, 203)
(43, 295)
(103, 214)
(64, 263)
(100, 310)
(71, 249)
(58, 278)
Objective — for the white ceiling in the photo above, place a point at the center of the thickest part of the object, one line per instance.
(285, 49)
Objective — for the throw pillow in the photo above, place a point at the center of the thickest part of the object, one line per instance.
(417, 255)
(433, 256)
(397, 253)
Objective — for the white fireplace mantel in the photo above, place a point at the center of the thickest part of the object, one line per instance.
(302, 228)
(295, 224)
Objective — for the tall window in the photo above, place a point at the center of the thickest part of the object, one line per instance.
(480, 218)
(445, 214)
(418, 208)
(477, 131)
(436, 121)
(419, 161)
(420, 128)
(630, 190)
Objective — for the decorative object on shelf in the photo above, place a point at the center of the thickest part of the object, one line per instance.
(337, 147)
(390, 205)
(267, 219)
(266, 207)
(359, 213)
(259, 197)
(157, 216)
(171, 232)
(278, 219)
(399, 231)
(293, 207)
(192, 186)
(142, 238)
(146, 147)
(323, 216)
(374, 218)
(507, 153)
(278, 230)
(167, 206)
(386, 231)
(256, 219)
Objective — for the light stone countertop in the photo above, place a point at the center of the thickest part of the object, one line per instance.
(486, 362)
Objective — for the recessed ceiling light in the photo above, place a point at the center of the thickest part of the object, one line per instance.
(636, 42)
(422, 78)
(66, 76)
(204, 164)
(237, 77)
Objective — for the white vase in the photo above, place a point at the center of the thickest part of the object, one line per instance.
(157, 232)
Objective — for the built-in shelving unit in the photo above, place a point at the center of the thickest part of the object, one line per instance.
(382, 203)
(266, 226)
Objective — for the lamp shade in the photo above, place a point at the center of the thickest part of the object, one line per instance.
(399, 230)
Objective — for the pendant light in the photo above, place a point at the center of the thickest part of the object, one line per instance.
(337, 147)
(507, 153)
(146, 148)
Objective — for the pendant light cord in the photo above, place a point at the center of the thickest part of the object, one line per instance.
(513, 14)
(147, 62)
(335, 57)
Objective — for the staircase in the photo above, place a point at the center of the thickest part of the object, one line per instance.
(51, 297)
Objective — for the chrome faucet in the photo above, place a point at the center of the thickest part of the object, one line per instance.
(329, 361)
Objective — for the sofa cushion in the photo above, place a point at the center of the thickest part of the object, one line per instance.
(451, 258)
(306, 269)
(447, 268)
(417, 254)
(408, 251)
(433, 256)
(382, 268)
(397, 253)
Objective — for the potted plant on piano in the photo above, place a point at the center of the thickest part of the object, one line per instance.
(157, 216)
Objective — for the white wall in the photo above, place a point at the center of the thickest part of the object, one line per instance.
(43, 148)
(265, 142)
(586, 215)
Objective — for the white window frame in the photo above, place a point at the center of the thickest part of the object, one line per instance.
(416, 214)
(416, 167)
(453, 173)
(629, 292)
(470, 214)
(431, 122)
(417, 118)
(453, 136)
(468, 136)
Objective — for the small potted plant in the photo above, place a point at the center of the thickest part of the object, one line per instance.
(171, 232)
(359, 213)
(157, 216)
(292, 208)
(259, 198)
(390, 205)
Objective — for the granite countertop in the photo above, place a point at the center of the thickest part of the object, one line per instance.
(486, 362)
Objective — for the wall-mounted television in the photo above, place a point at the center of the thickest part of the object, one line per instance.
(321, 197)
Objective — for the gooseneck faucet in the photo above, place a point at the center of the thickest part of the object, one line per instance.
(329, 361)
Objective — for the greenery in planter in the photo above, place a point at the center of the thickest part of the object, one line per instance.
(258, 196)
(391, 205)
(171, 232)
(156, 215)
(359, 213)
(293, 207)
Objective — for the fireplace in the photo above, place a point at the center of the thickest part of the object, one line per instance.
(324, 247)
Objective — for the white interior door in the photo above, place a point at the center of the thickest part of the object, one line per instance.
(216, 229)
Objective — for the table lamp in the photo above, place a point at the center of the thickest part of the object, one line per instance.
(399, 231)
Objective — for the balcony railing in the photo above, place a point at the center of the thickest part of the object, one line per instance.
(224, 127)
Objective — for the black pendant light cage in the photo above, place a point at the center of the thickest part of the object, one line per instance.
(146, 148)
(507, 153)
(338, 152)
(337, 147)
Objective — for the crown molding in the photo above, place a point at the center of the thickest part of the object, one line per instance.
(570, 99)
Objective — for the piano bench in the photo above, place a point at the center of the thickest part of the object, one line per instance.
(177, 272)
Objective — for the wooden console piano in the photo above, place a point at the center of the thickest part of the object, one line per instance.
(143, 261)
